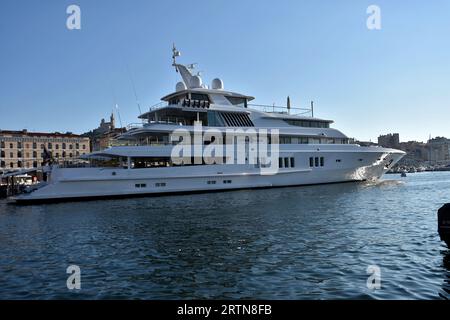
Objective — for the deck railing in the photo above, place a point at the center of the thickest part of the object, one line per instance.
(280, 109)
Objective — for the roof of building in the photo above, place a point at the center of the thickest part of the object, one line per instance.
(39, 134)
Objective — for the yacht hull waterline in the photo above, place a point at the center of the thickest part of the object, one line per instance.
(307, 150)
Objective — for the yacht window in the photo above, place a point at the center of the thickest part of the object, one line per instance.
(308, 123)
(292, 162)
(280, 162)
(316, 161)
(311, 162)
(227, 181)
(237, 101)
(160, 184)
(211, 182)
(338, 160)
(286, 162)
(199, 96)
(322, 161)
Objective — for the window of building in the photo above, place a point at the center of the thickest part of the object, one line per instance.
(11, 155)
(70, 155)
(34, 145)
(2, 154)
(2, 164)
(64, 154)
(11, 146)
(50, 146)
(64, 145)
(70, 146)
(42, 146)
(27, 146)
(19, 164)
(84, 147)
(19, 154)
(11, 164)
(19, 145)
(57, 146)
(2, 144)
(34, 154)
(35, 164)
(77, 146)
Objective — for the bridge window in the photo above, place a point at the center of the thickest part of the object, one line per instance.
(237, 101)
(308, 123)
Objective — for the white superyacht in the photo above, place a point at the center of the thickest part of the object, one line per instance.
(163, 155)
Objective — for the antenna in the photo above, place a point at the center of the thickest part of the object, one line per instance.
(134, 90)
(312, 109)
(175, 54)
(118, 113)
(117, 107)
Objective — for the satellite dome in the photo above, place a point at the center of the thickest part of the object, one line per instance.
(180, 86)
(196, 82)
(217, 84)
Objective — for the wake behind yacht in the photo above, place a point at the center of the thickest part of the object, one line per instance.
(204, 138)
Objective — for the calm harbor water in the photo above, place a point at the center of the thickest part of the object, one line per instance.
(290, 243)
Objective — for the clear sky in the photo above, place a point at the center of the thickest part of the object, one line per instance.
(370, 82)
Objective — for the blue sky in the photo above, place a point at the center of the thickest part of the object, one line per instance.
(396, 79)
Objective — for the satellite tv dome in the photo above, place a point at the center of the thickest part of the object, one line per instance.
(217, 84)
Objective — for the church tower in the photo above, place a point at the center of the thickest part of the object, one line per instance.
(113, 122)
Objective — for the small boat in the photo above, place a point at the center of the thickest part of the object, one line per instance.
(403, 174)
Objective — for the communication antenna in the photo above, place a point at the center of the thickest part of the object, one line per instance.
(118, 113)
(134, 90)
(116, 106)
(175, 54)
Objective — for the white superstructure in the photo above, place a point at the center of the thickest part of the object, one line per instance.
(141, 162)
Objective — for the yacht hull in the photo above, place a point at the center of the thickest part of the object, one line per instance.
(74, 184)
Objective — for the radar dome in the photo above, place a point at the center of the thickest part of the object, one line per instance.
(196, 82)
(217, 84)
(180, 86)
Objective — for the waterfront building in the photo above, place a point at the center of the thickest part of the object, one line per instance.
(391, 140)
(439, 149)
(24, 149)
